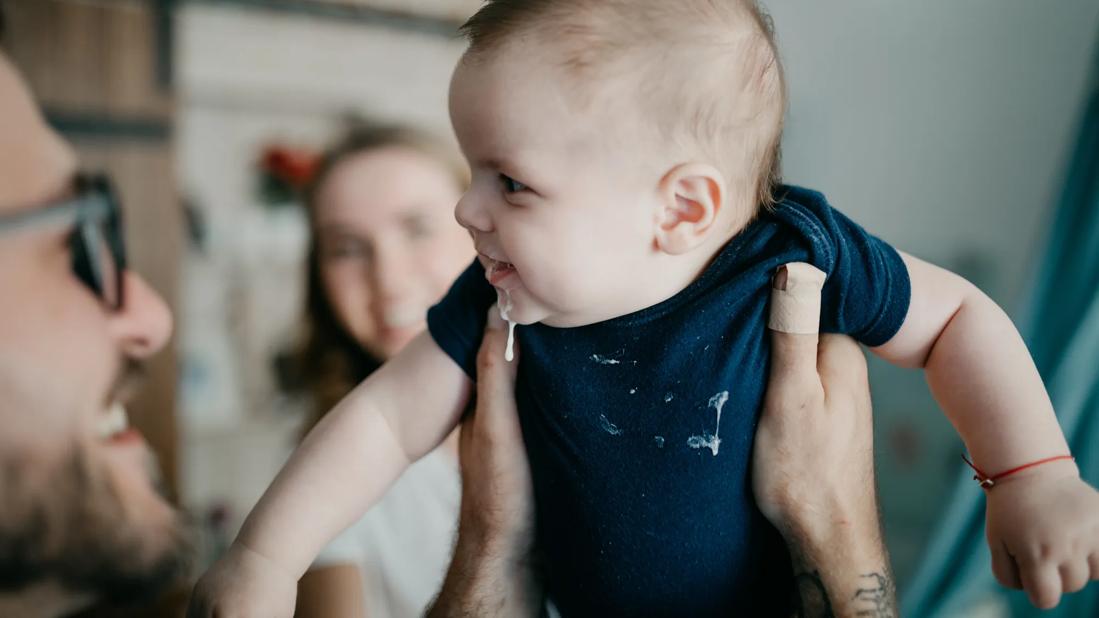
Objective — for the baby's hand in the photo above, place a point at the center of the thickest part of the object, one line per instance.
(244, 584)
(1043, 530)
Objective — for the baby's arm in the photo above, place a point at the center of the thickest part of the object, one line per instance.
(1042, 523)
(978, 368)
(403, 411)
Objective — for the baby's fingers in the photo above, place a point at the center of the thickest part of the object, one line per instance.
(1005, 569)
(1042, 583)
(1074, 575)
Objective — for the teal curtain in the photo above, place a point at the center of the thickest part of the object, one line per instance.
(1062, 330)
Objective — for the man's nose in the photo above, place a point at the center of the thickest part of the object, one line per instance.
(143, 324)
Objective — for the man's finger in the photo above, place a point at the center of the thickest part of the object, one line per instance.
(841, 363)
(491, 359)
(794, 322)
(495, 375)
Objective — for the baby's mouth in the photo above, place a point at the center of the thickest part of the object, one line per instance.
(496, 270)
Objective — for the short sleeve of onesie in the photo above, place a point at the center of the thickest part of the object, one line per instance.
(868, 291)
(457, 322)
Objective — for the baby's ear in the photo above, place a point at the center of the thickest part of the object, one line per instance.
(691, 196)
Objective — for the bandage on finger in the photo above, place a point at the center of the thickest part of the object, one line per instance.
(795, 308)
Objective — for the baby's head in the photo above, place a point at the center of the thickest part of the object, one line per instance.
(615, 145)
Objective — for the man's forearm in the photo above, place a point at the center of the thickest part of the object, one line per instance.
(485, 579)
(842, 572)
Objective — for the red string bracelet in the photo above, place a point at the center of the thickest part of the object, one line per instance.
(987, 481)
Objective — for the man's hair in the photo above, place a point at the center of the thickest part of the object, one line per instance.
(705, 72)
(2, 22)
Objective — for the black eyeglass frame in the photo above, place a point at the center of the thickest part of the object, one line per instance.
(93, 208)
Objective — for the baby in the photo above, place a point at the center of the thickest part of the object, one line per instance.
(625, 207)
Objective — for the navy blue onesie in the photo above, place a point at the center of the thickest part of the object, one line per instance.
(644, 504)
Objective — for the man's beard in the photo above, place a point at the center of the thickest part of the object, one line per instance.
(74, 529)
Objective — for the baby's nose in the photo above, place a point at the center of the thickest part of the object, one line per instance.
(472, 215)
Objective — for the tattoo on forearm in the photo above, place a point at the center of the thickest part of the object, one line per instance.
(877, 598)
(812, 597)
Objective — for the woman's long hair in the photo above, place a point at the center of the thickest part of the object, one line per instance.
(329, 362)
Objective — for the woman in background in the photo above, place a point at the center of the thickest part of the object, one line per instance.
(384, 248)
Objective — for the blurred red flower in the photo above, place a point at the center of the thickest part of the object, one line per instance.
(292, 166)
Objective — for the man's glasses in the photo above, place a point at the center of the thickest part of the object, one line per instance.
(96, 243)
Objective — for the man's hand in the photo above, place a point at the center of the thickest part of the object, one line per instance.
(813, 464)
(492, 572)
(497, 499)
(813, 474)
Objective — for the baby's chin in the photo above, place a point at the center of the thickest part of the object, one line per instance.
(517, 307)
(522, 316)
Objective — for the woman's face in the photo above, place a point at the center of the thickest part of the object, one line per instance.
(387, 244)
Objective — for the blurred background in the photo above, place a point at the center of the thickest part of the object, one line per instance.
(947, 128)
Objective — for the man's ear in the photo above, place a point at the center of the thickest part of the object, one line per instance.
(691, 197)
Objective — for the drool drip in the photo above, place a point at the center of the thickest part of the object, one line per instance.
(505, 309)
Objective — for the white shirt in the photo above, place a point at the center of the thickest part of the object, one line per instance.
(403, 545)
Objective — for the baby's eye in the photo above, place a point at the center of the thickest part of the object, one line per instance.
(511, 185)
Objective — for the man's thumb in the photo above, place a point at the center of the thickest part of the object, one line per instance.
(495, 321)
(795, 319)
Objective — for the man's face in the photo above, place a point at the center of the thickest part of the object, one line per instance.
(80, 503)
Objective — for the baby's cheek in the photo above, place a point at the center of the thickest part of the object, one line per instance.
(559, 290)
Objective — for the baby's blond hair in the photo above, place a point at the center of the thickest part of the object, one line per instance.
(710, 79)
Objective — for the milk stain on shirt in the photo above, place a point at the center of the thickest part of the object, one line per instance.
(712, 442)
(608, 426)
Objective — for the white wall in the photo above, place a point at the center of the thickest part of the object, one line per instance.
(941, 125)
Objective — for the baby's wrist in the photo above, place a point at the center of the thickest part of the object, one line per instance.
(248, 555)
(1042, 472)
